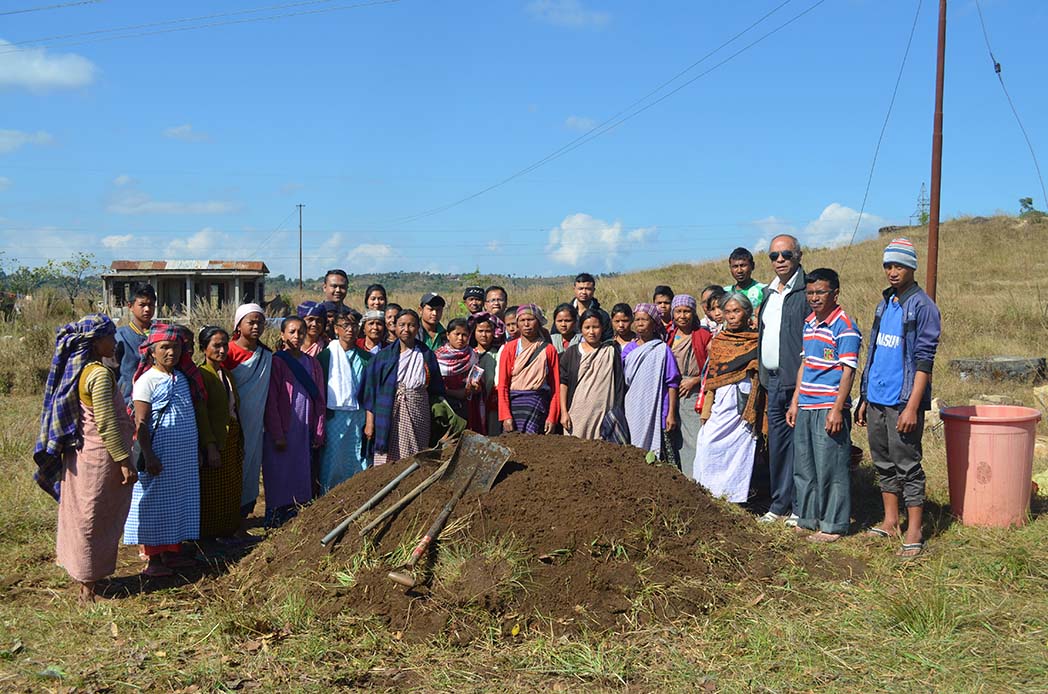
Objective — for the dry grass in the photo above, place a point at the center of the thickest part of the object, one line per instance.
(970, 616)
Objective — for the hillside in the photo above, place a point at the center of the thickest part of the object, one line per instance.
(981, 299)
(696, 595)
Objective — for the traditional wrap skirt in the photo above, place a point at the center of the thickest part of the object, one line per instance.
(341, 457)
(409, 425)
(530, 408)
(220, 488)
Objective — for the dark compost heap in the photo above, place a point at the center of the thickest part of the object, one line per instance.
(575, 534)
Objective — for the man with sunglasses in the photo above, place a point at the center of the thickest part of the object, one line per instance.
(780, 325)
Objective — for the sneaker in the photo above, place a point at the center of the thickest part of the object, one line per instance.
(791, 521)
(769, 517)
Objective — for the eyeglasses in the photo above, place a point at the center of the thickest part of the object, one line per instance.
(786, 255)
(817, 292)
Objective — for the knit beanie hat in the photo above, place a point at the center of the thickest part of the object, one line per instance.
(901, 252)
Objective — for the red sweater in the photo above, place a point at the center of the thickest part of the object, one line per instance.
(506, 361)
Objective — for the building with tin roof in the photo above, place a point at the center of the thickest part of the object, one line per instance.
(182, 284)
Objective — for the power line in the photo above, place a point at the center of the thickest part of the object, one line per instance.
(271, 235)
(1015, 112)
(42, 42)
(56, 6)
(884, 128)
(615, 121)
(167, 22)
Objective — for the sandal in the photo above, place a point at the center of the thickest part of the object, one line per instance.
(179, 562)
(878, 532)
(915, 550)
(155, 570)
(823, 538)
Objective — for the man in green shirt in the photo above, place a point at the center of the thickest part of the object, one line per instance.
(430, 309)
(741, 264)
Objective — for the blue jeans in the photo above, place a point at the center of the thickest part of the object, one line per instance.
(821, 473)
(780, 447)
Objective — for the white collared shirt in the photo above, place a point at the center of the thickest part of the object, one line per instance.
(771, 319)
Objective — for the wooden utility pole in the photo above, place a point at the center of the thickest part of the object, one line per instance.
(300, 246)
(933, 212)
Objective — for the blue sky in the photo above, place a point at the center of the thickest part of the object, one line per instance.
(199, 143)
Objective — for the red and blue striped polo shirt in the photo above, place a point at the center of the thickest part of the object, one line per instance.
(828, 346)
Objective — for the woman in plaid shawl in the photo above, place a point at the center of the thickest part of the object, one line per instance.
(85, 437)
(165, 506)
(400, 384)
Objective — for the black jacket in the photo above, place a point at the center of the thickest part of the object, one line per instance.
(791, 334)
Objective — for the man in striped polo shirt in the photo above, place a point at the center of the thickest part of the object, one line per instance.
(821, 412)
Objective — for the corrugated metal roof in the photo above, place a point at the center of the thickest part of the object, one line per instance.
(197, 265)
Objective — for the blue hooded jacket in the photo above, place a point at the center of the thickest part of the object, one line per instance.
(921, 326)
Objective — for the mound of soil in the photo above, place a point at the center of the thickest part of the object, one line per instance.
(583, 534)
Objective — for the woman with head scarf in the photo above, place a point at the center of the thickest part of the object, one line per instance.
(688, 343)
(591, 379)
(652, 380)
(732, 405)
(85, 441)
(371, 330)
(529, 377)
(316, 327)
(221, 476)
(250, 363)
(401, 383)
(165, 504)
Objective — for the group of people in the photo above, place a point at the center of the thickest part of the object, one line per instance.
(140, 441)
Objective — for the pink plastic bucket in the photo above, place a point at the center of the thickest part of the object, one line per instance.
(989, 461)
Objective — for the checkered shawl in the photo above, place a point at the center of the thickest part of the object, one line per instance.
(163, 332)
(60, 416)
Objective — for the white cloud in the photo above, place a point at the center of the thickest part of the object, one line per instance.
(5, 182)
(36, 69)
(114, 242)
(10, 140)
(372, 257)
(200, 245)
(833, 227)
(771, 227)
(584, 240)
(35, 245)
(566, 13)
(580, 124)
(185, 133)
(131, 201)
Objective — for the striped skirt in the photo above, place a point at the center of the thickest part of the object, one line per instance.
(530, 408)
(220, 488)
(409, 425)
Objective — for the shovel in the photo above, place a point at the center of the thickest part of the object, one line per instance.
(484, 461)
(425, 484)
(338, 530)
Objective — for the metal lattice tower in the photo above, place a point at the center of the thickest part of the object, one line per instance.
(920, 215)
